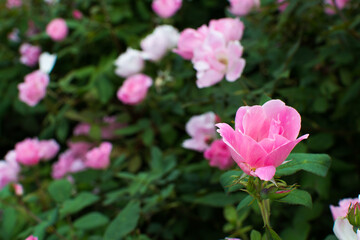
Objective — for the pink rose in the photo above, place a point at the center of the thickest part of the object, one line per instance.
(231, 28)
(31, 238)
(9, 169)
(219, 155)
(13, 3)
(166, 8)
(77, 14)
(129, 63)
(342, 209)
(189, 40)
(34, 88)
(28, 151)
(48, 149)
(134, 89)
(82, 129)
(69, 162)
(99, 158)
(57, 29)
(263, 137)
(156, 44)
(216, 59)
(201, 129)
(29, 54)
(243, 7)
(283, 4)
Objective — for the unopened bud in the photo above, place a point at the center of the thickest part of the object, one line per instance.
(275, 193)
(354, 215)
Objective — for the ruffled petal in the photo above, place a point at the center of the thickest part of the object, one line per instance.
(255, 123)
(265, 173)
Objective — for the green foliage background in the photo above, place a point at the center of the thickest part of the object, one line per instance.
(154, 188)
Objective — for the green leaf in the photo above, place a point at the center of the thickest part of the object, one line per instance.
(318, 164)
(255, 235)
(8, 226)
(273, 234)
(227, 181)
(83, 200)
(60, 190)
(91, 220)
(216, 199)
(299, 197)
(105, 89)
(124, 223)
(246, 202)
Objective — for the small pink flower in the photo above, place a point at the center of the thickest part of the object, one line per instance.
(134, 89)
(216, 58)
(231, 28)
(48, 149)
(28, 151)
(330, 8)
(342, 209)
(34, 88)
(57, 29)
(13, 3)
(99, 158)
(283, 4)
(166, 8)
(29, 54)
(77, 14)
(243, 7)
(159, 42)
(189, 40)
(13, 36)
(129, 63)
(201, 129)
(18, 188)
(31, 238)
(263, 137)
(82, 129)
(219, 155)
(69, 162)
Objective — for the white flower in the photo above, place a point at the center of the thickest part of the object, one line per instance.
(47, 62)
(129, 63)
(344, 230)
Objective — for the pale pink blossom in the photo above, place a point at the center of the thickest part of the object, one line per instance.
(18, 188)
(263, 137)
(189, 40)
(283, 4)
(29, 54)
(129, 63)
(166, 8)
(13, 36)
(69, 162)
(159, 42)
(9, 169)
(231, 28)
(344, 230)
(13, 3)
(28, 151)
(48, 149)
(33, 89)
(57, 29)
(77, 14)
(342, 209)
(216, 58)
(99, 158)
(134, 89)
(243, 7)
(219, 155)
(201, 129)
(330, 8)
(31, 238)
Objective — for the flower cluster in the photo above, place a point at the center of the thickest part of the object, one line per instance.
(201, 128)
(214, 50)
(131, 63)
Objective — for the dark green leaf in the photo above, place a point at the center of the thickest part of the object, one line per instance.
(60, 190)
(83, 200)
(299, 197)
(255, 235)
(91, 220)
